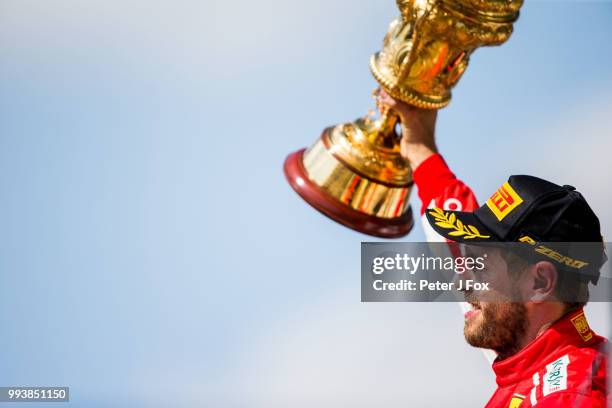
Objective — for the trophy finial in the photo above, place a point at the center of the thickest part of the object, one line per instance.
(427, 49)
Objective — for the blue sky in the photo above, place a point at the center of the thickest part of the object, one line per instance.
(152, 253)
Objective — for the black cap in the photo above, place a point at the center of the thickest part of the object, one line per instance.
(533, 212)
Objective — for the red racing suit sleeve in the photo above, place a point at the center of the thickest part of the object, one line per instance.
(439, 187)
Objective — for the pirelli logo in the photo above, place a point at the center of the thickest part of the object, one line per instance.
(504, 201)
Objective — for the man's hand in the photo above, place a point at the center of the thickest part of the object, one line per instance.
(418, 129)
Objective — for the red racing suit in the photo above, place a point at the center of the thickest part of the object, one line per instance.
(438, 187)
(566, 365)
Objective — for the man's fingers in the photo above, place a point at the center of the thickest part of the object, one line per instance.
(405, 110)
(386, 99)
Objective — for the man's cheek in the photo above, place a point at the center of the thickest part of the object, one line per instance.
(487, 307)
(490, 312)
(494, 296)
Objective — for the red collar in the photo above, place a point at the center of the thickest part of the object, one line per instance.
(571, 330)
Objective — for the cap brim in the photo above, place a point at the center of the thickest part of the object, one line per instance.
(459, 226)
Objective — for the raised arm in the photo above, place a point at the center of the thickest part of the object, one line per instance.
(437, 184)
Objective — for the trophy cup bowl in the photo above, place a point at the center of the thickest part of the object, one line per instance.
(354, 173)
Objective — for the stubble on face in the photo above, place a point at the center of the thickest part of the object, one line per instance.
(499, 319)
(499, 326)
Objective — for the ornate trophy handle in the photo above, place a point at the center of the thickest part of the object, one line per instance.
(385, 124)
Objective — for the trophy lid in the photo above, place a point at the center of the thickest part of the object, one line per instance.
(427, 49)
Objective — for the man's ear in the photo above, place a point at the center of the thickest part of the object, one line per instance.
(545, 278)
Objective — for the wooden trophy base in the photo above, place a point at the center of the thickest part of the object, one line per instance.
(331, 207)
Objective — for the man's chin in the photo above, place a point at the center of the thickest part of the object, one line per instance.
(475, 330)
(472, 335)
(498, 327)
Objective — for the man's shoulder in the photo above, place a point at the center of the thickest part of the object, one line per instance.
(581, 353)
(577, 368)
(572, 336)
(596, 349)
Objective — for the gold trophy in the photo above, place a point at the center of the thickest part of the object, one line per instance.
(354, 172)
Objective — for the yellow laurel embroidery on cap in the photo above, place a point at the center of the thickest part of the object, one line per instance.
(450, 221)
(503, 201)
(582, 327)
